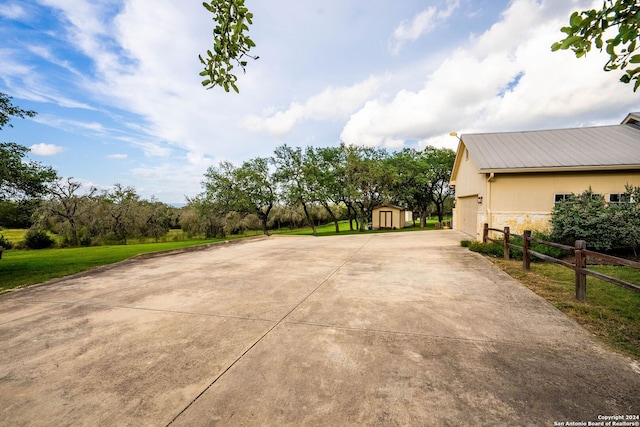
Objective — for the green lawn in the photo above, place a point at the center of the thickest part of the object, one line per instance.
(24, 267)
(330, 229)
(610, 312)
(13, 235)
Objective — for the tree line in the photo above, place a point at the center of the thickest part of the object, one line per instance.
(343, 182)
(292, 188)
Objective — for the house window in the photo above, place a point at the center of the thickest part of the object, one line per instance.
(617, 198)
(561, 197)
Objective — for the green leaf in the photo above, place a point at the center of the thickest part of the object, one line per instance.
(570, 41)
(610, 48)
(575, 20)
(567, 30)
(635, 59)
(598, 42)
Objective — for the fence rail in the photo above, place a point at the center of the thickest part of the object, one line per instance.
(580, 258)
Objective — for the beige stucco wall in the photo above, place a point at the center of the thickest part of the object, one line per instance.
(535, 192)
(469, 184)
(525, 200)
(468, 181)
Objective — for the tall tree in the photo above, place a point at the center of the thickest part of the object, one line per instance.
(18, 178)
(293, 174)
(440, 161)
(155, 218)
(588, 27)
(324, 168)
(8, 110)
(248, 189)
(66, 205)
(121, 204)
(203, 215)
(257, 189)
(413, 185)
(368, 180)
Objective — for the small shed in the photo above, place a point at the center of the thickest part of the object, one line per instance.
(389, 217)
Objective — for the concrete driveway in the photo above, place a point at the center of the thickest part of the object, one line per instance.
(376, 329)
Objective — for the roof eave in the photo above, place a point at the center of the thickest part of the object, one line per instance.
(550, 169)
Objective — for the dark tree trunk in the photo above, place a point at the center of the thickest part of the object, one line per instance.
(309, 219)
(333, 217)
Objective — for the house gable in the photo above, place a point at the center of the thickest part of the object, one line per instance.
(512, 178)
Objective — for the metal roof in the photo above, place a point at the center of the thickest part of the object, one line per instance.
(602, 147)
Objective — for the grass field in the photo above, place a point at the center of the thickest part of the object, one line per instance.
(13, 235)
(330, 229)
(24, 267)
(610, 312)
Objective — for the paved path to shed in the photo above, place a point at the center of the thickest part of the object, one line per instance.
(376, 329)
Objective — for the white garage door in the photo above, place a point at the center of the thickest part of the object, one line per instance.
(467, 211)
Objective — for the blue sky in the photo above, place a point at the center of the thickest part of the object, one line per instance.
(119, 100)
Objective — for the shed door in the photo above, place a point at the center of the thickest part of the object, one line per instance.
(467, 209)
(386, 219)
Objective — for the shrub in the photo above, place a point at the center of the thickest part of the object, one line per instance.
(586, 217)
(496, 250)
(538, 247)
(38, 239)
(491, 249)
(604, 226)
(5, 243)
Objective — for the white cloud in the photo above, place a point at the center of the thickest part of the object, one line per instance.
(12, 11)
(505, 79)
(162, 181)
(332, 103)
(424, 22)
(117, 156)
(153, 149)
(69, 125)
(46, 149)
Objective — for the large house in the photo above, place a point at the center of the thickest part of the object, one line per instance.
(514, 178)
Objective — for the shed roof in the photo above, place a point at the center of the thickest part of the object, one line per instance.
(602, 147)
(389, 205)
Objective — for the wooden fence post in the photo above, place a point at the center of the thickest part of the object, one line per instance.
(581, 278)
(485, 233)
(526, 257)
(507, 238)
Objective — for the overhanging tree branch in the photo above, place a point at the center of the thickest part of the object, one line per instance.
(231, 44)
(588, 27)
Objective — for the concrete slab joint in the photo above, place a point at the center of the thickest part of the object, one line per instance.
(348, 330)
